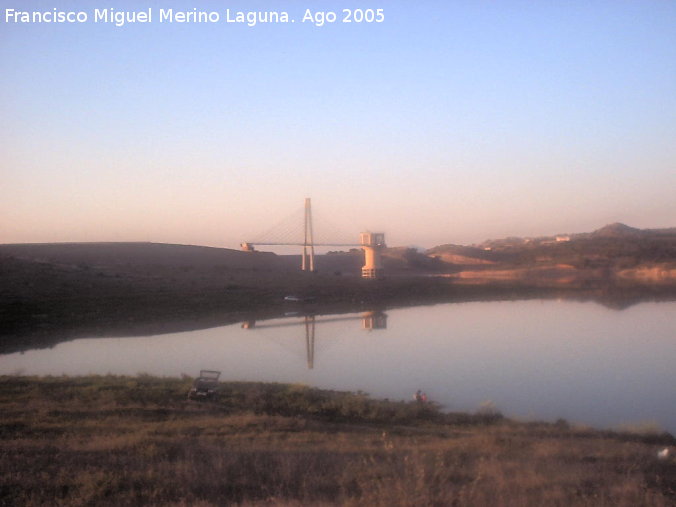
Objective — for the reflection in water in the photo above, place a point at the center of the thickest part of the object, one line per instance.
(375, 319)
(540, 359)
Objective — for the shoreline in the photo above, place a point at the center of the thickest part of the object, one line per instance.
(107, 439)
(41, 318)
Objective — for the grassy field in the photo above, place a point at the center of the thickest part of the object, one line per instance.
(140, 441)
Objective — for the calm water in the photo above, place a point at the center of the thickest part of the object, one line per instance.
(532, 359)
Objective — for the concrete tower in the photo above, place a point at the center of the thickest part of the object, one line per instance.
(372, 243)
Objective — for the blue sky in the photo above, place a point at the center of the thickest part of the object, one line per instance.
(450, 122)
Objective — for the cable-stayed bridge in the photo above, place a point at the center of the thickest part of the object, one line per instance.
(299, 229)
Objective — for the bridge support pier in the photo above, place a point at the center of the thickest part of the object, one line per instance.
(372, 243)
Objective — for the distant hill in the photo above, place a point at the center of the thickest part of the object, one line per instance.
(409, 259)
(617, 246)
(160, 258)
(137, 254)
(618, 230)
(613, 231)
(459, 254)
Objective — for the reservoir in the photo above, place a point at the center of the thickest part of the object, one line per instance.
(530, 359)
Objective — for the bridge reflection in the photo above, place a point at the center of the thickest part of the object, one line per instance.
(370, 321)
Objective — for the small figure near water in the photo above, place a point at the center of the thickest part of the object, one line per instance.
(420, 396)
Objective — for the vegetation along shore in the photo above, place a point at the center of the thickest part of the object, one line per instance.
(140, 441)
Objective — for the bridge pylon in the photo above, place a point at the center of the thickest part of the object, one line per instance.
(308, 262)
(372, 243)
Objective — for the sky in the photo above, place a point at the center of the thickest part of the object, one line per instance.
(447, 122)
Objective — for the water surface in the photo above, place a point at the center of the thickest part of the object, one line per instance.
(537, 359)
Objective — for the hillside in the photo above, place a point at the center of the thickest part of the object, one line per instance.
(615, 253)
(159, 258)
(617, 231)
(138, 255)
(464, 255)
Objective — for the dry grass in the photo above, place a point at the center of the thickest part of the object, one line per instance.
(139, 441)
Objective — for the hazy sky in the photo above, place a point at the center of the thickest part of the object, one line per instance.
(449, 122)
